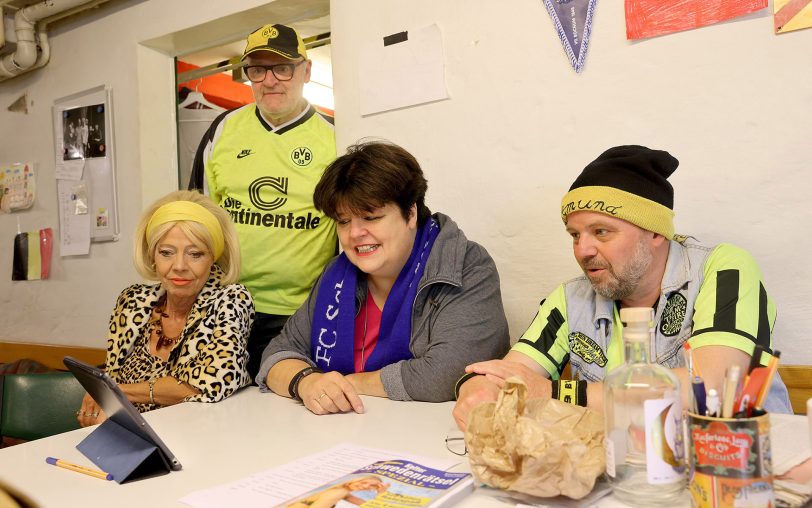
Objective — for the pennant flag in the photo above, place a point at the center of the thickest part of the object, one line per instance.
(32, 255)
(573, 22)
(792, 15)
(649, 18)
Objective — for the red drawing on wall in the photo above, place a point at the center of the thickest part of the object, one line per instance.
(649, 18)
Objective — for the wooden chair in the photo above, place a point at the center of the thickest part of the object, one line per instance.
(798, 379)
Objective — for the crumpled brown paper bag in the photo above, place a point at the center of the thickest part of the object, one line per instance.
(541, 447)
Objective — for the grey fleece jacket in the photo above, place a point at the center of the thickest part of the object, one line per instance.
(457, 319)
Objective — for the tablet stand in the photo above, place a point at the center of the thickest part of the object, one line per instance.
(122, 453)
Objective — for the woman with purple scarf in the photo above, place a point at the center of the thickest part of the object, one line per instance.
(400, 313)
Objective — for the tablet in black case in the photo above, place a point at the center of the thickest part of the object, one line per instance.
(124, 445)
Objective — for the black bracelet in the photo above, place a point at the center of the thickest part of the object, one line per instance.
(462, 380)
(293, 387)
(570, 391)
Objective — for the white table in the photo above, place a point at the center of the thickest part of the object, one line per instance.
(219, 443)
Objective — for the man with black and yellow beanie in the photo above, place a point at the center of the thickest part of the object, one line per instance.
(620, 215)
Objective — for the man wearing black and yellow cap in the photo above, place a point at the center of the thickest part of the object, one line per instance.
(619, 213)
(261, 163)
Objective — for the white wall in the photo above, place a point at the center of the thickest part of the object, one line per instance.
(732, 102)
(104, 47)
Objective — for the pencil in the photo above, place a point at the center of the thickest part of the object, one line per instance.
(79, 469)
(729, 394)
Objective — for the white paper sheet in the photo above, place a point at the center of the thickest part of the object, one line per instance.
(404, 73)
(69, 170)
(788, 442)
(279, 484)
(74, 229)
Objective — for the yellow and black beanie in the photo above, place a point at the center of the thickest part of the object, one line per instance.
(627, 182)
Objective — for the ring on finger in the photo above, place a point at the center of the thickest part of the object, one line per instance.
(322, 395)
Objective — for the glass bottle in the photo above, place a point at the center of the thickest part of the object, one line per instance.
(643, 419)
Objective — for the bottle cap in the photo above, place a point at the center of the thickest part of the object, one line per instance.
(637, 315)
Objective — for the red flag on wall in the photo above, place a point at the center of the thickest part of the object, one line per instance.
(649, 18)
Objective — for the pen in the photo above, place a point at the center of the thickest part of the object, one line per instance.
(699, 395)
(79, 469)
(748, 393)
(729, 390)
(755, 359)
(752, 388)
(765, 388)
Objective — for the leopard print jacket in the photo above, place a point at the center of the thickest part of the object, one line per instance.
(211, 356)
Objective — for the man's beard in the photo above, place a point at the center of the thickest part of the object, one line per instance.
(624, 284)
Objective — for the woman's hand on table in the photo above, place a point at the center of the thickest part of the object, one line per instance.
(90, 413)
(329, 392)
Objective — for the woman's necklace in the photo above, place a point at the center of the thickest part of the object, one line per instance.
(157, 325)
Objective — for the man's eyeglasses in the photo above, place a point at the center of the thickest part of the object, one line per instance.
(282, 72)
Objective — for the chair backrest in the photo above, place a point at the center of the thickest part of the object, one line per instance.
(798, 379)
(39, 405)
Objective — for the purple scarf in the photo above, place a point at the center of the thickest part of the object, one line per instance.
(333, 333)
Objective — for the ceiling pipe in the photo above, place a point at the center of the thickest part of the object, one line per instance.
(26, 57)
(44, 53)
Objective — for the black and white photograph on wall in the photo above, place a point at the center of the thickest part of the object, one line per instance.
(83, 132)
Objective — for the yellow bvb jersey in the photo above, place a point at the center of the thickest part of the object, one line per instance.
(264, 178)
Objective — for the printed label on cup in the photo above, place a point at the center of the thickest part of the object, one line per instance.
(730, 462)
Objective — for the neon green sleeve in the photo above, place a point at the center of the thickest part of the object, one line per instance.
(733, 308)
(545, 341)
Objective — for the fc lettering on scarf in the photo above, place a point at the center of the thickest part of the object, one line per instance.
(323, 349)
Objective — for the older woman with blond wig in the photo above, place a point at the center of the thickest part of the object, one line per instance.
(183, 339)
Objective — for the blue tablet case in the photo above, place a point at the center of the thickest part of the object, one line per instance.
(121, 453)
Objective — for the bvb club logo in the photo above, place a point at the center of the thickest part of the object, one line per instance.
(301, 156)
(673, 315)
(270, 33)
(275, 183)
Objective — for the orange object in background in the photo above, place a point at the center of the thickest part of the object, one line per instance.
(218, 89)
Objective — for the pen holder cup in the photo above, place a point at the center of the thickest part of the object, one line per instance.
(730, 462)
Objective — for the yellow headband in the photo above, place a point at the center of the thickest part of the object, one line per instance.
(189, 211)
